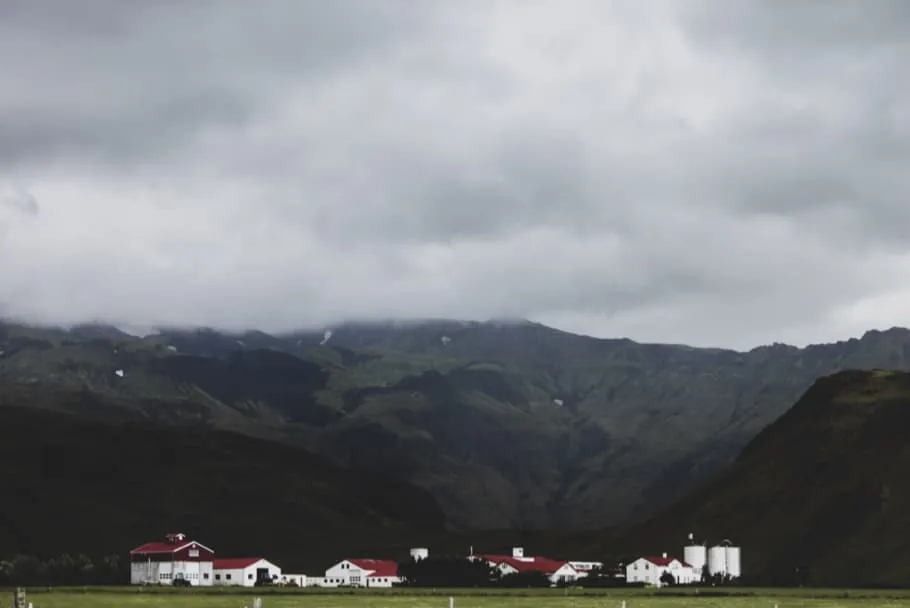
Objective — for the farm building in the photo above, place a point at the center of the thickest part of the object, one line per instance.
(175, 558)
(585, 568)
(245, 571)
(359, 573)
(557, 571)
(649, 570)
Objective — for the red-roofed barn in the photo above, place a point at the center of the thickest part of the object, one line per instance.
(245, 571)
(175, 558)
(557, 571)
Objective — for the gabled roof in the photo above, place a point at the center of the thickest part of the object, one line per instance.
(665, 561)
(157, 548)
(235, 563)
(376, 567)
(527, 564)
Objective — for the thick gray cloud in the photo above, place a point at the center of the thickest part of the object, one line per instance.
(716, 173)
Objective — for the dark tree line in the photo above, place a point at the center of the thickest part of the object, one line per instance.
(28, 570)
(447, 572)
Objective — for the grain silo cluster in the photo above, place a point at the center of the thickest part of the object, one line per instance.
(723, 559)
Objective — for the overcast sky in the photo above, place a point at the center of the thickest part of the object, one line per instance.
(725, 173)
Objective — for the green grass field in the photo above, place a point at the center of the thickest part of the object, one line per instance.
(168, 598)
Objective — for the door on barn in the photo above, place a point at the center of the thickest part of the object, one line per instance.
(262, 575)
(192, 573)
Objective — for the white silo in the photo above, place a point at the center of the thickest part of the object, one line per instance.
(696, 555)
(733, 557)
(419, 553)
(717, 560)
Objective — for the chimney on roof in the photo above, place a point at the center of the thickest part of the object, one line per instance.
(175, 537)
(664, 555)
(518, 552)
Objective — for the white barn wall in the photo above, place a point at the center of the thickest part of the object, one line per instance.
(566, 573)
(164, 573)
(645, 571)
(346, 573)
(246, 576)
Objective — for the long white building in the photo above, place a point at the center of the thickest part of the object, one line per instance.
(245, 572)
(359, 573)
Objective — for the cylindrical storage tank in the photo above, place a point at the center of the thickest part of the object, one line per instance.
(734, 561)
(419, 553)
(717, 560)
(696, 556)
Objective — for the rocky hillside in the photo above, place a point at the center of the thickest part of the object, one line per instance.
(507, 424)
(820, 496)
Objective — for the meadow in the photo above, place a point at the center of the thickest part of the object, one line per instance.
(231, 598)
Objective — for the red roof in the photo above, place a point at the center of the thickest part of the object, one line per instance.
(665, 561)
(153, 548)
(379, 567)
(235, 563)
(527, 564)
(159, 548)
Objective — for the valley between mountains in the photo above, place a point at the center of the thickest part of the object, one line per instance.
(505, 425)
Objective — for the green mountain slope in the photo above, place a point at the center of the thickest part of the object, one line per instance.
(507, 424)
(76, 486)
(820, 496)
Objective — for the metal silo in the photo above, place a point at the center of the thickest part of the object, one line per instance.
(696, 555)
(732, 556)
(717, 560)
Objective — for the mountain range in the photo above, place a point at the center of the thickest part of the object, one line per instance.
(509, 425)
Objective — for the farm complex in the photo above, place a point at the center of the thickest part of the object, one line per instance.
(179, 560)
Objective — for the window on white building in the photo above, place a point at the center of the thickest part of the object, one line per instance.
(227, 576)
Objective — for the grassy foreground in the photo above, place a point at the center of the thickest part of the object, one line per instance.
(236, 598)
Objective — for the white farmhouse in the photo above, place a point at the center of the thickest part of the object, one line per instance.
(649, 570)
(245, 571)
(361, 573)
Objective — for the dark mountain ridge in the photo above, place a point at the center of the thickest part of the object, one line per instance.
(818, 497)
(128, 483)
(507, 424)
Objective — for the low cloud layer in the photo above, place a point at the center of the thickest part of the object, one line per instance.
(714, 173)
